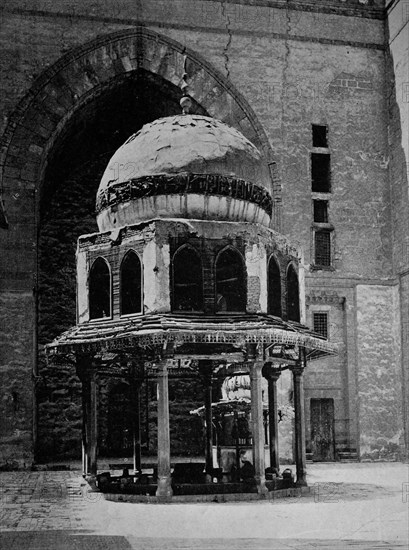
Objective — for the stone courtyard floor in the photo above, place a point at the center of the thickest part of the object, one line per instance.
(357, 506)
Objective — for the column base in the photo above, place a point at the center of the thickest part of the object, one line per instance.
(91, 480)
(261, 486)
(164, 491)
(302, 482)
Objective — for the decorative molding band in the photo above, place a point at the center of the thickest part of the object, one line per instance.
(348, 8)
(324, 298)
(371, 9)
(157, 24)
(183, 184)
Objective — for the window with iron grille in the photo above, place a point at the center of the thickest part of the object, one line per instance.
(319, 136)
(321, 172)
(322, 248)
(321, 324)
(320, 211)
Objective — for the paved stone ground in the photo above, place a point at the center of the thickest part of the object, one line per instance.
(359, 506)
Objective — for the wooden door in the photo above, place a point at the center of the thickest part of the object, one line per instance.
(322, 430)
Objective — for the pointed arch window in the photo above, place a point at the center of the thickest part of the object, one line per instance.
(100, 289)
(131, 284)
(187, 280)
(274, 288)
(230, 282)
(293, 295)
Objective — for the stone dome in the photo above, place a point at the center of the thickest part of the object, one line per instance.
(185, 166)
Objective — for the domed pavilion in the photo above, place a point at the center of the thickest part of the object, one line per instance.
(187, 273)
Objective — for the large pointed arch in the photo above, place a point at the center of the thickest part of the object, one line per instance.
(76, 77)
(75, 81)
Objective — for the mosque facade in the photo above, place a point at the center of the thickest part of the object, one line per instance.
(319, 89)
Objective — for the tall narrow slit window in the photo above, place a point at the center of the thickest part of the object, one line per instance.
(321, 323)
(131, 284)
(293, 295)
(230, 282)
(319, 135)
(187, 280)
(321, 172)
(320, 211)
(322, 248)
(100, 290)
(274, 288)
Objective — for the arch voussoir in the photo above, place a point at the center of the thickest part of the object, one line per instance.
(101, 65)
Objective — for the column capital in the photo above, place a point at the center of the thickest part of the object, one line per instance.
(251, 352)
(83, 365)
(168, 351)
(256, 368)
(136, 368)
(161, 368)
(298, 369)
(270, 373)
(206, 368)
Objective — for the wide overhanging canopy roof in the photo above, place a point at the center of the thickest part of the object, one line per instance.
(145, 331)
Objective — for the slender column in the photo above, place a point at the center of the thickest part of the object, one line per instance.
(272, 378)
(236, 438)
(83, 363)
(164, 491)
(93, 424)
(205, 369)
(135, 396)
(147, 435)
(209, 425)
(300, 459)
(257, 426)
(85, 413)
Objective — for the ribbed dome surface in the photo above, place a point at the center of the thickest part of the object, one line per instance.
(188, 145)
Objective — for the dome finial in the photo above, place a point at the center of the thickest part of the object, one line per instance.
(185, 102)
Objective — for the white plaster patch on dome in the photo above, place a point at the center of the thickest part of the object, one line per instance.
(189, 143)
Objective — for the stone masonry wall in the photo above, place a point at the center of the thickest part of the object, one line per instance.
(379, 371)
(404, 311)
(16, 363)
(398, 66)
